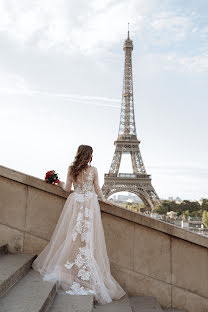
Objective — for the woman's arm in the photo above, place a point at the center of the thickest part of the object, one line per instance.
(97, 188)
(66, 186)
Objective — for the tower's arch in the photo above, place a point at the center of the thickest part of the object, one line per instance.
(144, 197)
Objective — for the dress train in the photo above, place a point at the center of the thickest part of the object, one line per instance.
(76, 256)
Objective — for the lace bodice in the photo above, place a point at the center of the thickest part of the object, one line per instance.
(87, 181)
(84, 182)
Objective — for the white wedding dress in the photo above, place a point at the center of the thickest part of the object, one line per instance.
(76, 256)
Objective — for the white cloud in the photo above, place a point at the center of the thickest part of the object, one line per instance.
(70, 26)
(169, 26)
(196, 63)
(204, 33)
(15, 84)
(93, 27)
(12, 84)
(155, 63)
(188, 168)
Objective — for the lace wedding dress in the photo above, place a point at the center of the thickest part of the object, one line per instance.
(76, 256)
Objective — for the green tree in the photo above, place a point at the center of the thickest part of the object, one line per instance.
(188, 205)
(185, 208)
(187, 212)
(163, 208)
(205, 218)
(204, 205)
(197, 213)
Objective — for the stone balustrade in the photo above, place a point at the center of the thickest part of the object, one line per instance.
(147, 256)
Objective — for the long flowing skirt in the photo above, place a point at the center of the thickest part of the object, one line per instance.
(76, 256)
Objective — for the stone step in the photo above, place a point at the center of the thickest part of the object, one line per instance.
(72, 303)
(30, 294)
(3, 249)
(173, 310)
(145, 304)
(12, 268)
(121, 305)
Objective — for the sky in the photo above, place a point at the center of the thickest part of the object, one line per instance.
(61, 73)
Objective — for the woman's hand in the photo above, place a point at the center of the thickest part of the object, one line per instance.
(59, 183)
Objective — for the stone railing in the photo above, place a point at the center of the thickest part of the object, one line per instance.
(147, 256)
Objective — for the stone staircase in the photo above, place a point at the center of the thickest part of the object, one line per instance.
(23, 290)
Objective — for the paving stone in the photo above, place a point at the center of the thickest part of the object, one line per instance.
(145, 304)
(12, 268)
(30, 294)
(173, 310)
(122, 305)
(72, 303)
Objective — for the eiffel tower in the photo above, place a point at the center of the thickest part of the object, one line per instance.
(139, 182)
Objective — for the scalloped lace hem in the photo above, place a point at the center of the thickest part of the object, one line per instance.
(76, 289)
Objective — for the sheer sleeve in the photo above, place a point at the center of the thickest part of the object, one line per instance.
(97, 186)
(67, 186)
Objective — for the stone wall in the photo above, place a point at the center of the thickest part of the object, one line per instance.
(148, 256)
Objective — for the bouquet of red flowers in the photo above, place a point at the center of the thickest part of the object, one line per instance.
(51, 177)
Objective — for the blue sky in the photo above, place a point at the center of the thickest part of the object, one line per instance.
(61, 72)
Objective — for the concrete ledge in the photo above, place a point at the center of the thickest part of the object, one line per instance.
(32, 181)
(158, 225)
(115, 210)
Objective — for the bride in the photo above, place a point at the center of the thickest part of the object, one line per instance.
(76, 256)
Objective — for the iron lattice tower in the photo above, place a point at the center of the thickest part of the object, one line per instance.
(139, 182)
